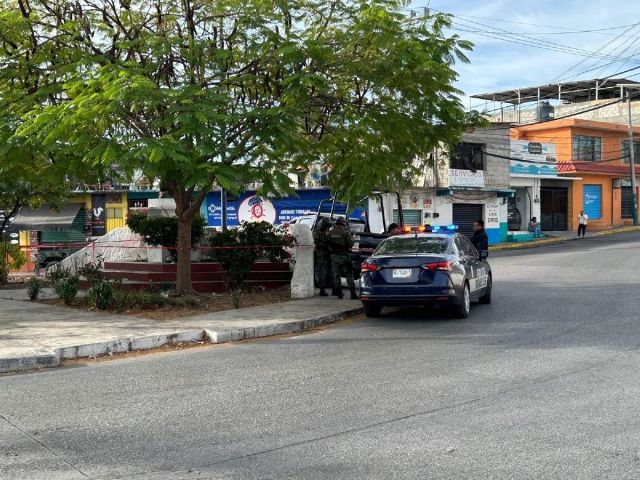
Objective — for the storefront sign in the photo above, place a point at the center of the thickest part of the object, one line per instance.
(466, 178)
(98, 215)
(533, 158)
(492, 215)
(250, 208)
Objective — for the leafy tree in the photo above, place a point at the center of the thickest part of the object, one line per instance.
(200, 93)
(11, 258)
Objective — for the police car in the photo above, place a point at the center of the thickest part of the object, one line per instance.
(439, 268)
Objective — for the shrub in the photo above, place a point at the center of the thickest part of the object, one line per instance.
(92, 271)
(34, 288)
(163, 231)
(101, 295)
(67, 289)
(253, 241)
(58, 273)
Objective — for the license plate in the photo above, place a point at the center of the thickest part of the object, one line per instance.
(402, 273)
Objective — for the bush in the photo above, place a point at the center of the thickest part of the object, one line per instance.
(163, 231)
(101, 295)
(58, 273)
(92, 271)
(67, 289)
(253, 241)
(34, 288)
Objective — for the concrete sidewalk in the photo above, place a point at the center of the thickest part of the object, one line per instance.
(34, 335)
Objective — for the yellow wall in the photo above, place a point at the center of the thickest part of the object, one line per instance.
(116, 212)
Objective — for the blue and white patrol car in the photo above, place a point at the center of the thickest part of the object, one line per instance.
(439, 268)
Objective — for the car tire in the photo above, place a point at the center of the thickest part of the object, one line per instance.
(371, 309)
(463, 310)
(486, 298)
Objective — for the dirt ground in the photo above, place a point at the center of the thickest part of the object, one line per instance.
(197, 305)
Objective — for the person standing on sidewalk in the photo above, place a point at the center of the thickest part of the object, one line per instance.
(480, 238)
(582, 223)
(323, 253)
(340, 242)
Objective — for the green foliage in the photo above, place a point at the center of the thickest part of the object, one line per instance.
(163, 231)
(125, 300)
(34, 288)
(236, 250)
(92, 271)
(57, 273)
(11, 258)
(228, 93)
(101, 295)
(67, 289)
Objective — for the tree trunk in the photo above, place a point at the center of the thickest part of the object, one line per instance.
(183, 275)
(187, 208)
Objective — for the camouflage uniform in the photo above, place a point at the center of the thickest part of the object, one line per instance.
(340, 242)
(323, 254)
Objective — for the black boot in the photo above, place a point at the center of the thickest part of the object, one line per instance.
(340, 294)
(354, 295)
(323, 293)
(334, 292)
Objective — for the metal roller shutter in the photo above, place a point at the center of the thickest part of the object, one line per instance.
(74, 235)
(464, 216)
(412, 218)
(626, 205)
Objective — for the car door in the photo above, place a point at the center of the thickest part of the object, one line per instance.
(478, 270)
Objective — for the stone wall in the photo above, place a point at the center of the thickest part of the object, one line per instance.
(119, 245)
(497, 169)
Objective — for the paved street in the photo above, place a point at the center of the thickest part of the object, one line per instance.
(543, 383)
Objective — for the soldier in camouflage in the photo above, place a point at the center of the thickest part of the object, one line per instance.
(340, 241)
(323, 253)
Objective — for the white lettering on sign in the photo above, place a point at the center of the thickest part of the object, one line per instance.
(492, 215)
(466, 178)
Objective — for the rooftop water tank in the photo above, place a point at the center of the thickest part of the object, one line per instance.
(544, 112)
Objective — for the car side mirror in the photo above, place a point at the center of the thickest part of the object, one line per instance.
(484, 254)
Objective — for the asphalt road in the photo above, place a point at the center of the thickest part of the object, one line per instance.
(543, 383)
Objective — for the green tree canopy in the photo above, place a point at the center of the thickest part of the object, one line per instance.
(199, 93)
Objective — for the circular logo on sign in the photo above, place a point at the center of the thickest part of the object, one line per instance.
(256, 209)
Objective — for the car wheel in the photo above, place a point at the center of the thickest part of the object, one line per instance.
(371, 309)
(486, 298)
(462, 310)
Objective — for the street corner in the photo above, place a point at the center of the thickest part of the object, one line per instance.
(533, 243)
(17, 359)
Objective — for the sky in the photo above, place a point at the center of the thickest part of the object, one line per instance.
(498, 62)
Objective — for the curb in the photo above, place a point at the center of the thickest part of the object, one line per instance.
(513, 246)
(47, 359)
(617, 230)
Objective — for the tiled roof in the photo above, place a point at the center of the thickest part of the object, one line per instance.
(594, 167)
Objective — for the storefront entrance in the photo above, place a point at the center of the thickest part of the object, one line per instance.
(554, 208)
(464, 216)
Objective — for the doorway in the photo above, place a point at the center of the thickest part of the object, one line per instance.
(554, 208)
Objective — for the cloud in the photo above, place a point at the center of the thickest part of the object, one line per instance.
(501, 63)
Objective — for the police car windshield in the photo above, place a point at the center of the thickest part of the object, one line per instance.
(412, 246)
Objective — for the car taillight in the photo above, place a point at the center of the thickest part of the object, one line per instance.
(445, 266)
(369, 267)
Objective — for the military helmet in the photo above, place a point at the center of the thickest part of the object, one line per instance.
(341, 221)
(325, 222)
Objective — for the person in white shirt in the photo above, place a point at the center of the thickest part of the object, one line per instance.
(582, 223)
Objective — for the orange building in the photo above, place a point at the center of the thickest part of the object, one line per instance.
(597, 153)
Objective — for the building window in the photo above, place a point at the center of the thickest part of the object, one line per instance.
(587, 148)
(468, 156)
(114, 213)
(114, 198)
(412, 218)
(626, 205)
(624, 151)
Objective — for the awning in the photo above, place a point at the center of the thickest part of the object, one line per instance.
(501, 193)
(46, 220)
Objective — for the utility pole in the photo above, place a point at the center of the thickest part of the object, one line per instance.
(632, 163)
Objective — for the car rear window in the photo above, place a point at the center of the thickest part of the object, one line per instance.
(412, 245)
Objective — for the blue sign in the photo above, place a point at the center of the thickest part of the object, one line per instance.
(248, 207)
(592, 201)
